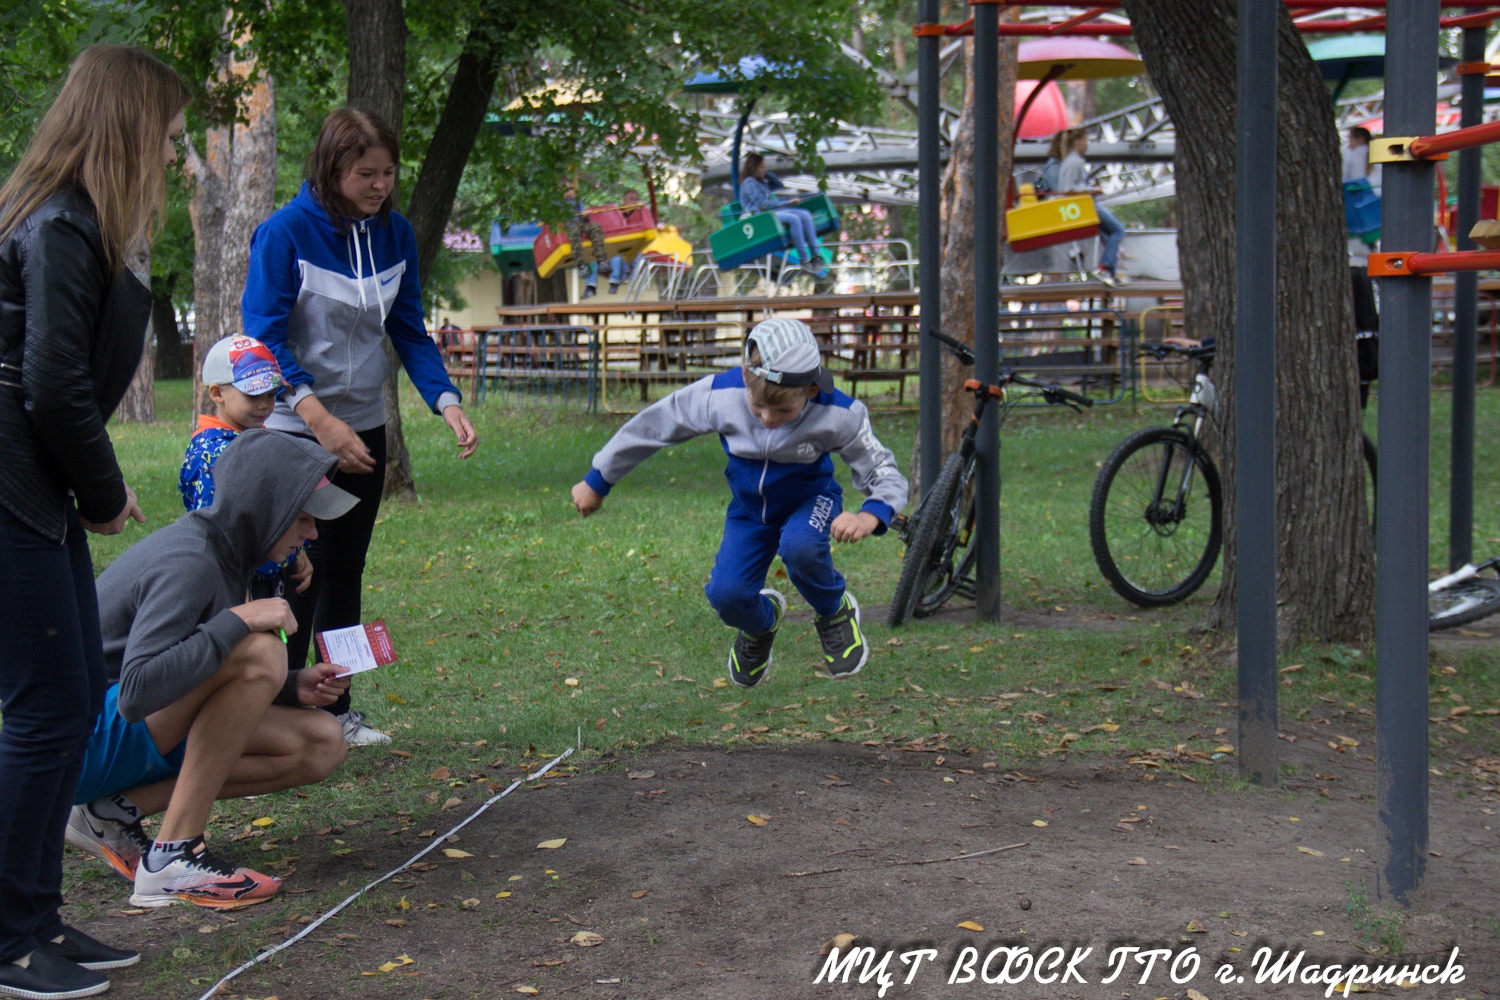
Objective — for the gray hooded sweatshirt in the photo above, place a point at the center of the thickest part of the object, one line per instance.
(164, 603)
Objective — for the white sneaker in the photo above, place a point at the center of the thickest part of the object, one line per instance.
(119, 845)
(199, 878)
(357, 734)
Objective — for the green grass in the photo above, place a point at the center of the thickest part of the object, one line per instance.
(498, 595)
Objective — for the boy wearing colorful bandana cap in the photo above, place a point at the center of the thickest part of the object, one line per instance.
(779, 419)
(243, 379)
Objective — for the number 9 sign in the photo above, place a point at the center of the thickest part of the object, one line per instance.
(748, 230)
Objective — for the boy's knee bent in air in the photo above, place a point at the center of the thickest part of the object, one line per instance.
(738, 602)
(260, 657)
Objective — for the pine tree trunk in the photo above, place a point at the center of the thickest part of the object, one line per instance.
(1326, 578)
(167, 338)
(377, 81)
(138, 405)
(958, 240)
(236, 178)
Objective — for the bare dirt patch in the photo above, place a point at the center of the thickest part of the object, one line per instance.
(692, 899)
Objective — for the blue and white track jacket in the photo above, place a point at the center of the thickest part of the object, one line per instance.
(324, 298)
(771, 472)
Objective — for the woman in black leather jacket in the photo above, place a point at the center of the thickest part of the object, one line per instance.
(72, 327)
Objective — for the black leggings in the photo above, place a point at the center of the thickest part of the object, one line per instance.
(52, 687)
(338, 558)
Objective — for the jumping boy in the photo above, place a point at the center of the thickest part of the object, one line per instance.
(243, 379)
(779, 418)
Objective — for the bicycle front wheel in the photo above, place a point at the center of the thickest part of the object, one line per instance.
(935, 519)
(1156, 517)
(1462, 603)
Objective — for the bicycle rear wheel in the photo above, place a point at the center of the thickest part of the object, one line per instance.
(1155, 522)
(1462, 603)
(935, 519)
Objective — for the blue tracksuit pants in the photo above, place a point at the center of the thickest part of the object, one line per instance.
(746, 553)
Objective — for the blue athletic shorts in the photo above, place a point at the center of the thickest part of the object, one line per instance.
(122, 755)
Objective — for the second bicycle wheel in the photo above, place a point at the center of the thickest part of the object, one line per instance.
(1155, 519)
(1462, 603)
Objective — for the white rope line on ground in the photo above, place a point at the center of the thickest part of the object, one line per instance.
(283, 946)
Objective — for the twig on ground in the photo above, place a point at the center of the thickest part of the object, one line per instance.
(961, 857)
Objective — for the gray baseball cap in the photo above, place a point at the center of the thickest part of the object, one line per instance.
(789, 354)
(328, 502)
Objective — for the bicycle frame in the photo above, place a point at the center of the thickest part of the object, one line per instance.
(1189, 419)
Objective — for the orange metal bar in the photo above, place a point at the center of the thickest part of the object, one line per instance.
(1397, 265)
(1074, 21)
(1473, 69)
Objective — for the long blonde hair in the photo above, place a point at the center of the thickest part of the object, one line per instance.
(104, 135)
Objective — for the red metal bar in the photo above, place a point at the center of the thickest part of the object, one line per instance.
(1075, 20)
(1082, 30)
(1464, 138)
(1478, 20)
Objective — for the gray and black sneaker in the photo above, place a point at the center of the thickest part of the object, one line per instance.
(844, 647)
(751, 654)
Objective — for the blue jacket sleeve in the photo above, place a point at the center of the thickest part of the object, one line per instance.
(407, 329)
(755, 196)
(271, 288)
(196, 481)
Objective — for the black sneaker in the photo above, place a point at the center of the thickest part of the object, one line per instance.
(614, 286)
(589, 291)
(751, 654)
(844, 647)
(80, 949)
(49, 976)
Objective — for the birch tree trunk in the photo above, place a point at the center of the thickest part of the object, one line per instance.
(236, 179)
(1326, 579)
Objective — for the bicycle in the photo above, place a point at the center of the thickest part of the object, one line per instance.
(939, 534)
(1463, 596)
(1156, 517)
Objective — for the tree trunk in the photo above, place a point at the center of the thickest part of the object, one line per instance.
(958, 241)
(236, 178)
(170, 363)
(453, 140)
(138, 405)
(377, 82)
(1326, 579)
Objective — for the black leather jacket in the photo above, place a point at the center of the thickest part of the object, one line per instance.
(71, 336)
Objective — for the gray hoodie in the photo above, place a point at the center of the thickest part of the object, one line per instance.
(164, 603)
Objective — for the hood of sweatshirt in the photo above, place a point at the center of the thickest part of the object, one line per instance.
(261, 483)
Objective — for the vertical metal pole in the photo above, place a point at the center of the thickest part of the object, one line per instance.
(1255, 386)
(1465, 322)
(930, 241)
(987, 299)
(1401, 517)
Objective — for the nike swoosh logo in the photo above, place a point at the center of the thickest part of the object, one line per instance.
(387, 281)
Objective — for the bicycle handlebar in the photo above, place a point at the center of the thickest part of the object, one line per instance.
(1159, 351)
(1051, 391)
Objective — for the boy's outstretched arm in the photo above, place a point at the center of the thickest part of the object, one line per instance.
(876, 475)
(679, 417)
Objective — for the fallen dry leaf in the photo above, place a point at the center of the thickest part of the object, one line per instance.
(441, 774)
(502, 895)
(640, 775)
(839, 941)
(453, 852)
(551, 845)
(530, 991)
(756, 820)
(403, 754)
(733, 705)
(720, 682)
(1136, 861)
(470, 904)
(1309, 850)
(586, 939)
(1038, 822)
(263, 822)
(396, 963)
(452, 802)
(639, 894)
(1193, 994)
(971, 925)
(395, 923)
(1195, 927)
